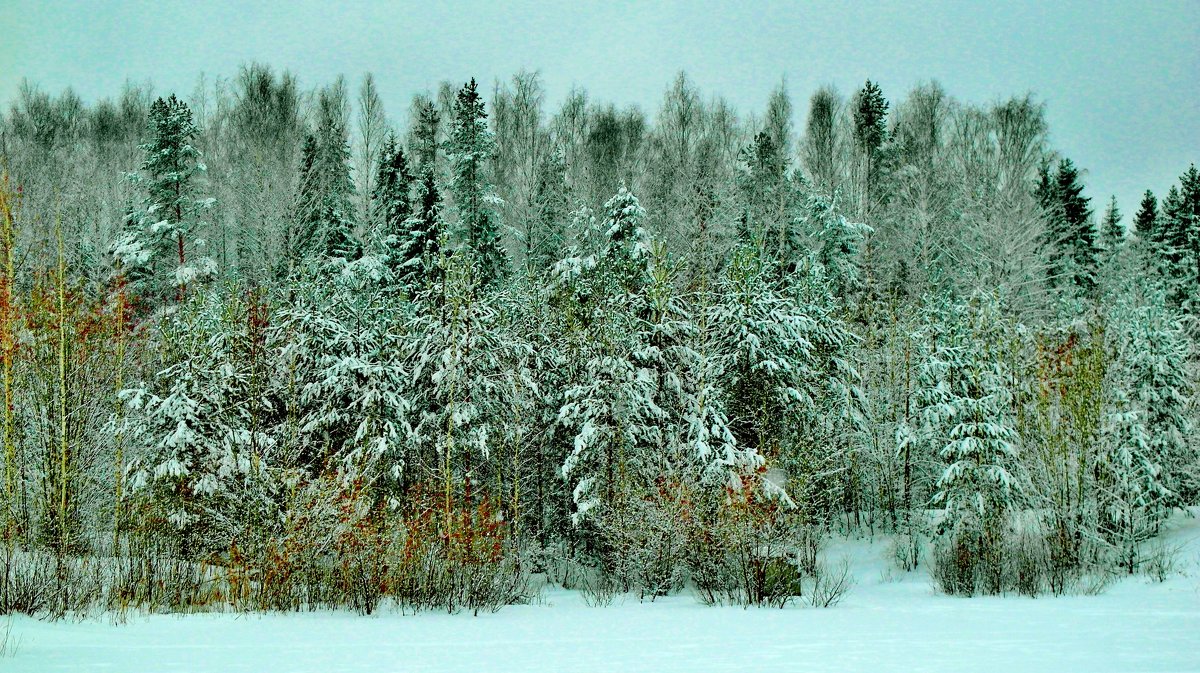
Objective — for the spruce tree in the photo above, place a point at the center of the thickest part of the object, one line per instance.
(392, 205)
(1145, 222)
(1178, 243)
(1111, 227)
(416, 263)
(978, 487)
(424, 142)
(1071, 234)
(1083, 244)
(840, 242)
(551, 205)
(1145, 466)
(469, 149)
(627, 254)
(325, 214)
(870, 133)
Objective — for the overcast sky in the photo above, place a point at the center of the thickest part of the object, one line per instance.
(1121, 80)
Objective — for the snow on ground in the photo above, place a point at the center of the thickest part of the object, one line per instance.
(891, 621)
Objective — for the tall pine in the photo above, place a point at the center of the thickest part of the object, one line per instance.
(469, 149)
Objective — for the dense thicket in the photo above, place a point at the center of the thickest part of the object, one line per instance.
(261, 351)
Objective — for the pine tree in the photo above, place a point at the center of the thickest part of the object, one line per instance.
(768, 361)
(348, 407)
(462, 383)
(190, 426)
(769, 196)
(469, 149)
(156, 240)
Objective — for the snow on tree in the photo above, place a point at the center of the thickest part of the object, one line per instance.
(393, 206)
(191, 427)
(697, 446)
(1111, 228)
(547, 235)
(1072, 236)
(325, 237)
(461, 381)
(840, 242)
(978, 488)
(469, 149)
(348, 405)
(419, 247)
(610, 409)
(1147, 464)
(156, 240)
(627, 249)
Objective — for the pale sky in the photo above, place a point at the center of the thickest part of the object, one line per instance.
(1121, 80)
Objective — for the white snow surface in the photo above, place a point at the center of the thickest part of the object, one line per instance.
(890, 621)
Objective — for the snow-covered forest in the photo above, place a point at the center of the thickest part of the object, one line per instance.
(276, 348)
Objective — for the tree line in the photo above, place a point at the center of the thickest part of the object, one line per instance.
(263, 348)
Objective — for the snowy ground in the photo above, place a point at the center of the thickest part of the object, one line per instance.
(889, 622)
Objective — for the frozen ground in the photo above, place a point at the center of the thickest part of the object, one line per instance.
(889, 622)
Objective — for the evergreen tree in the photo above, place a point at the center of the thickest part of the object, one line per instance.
(156, 241)
(325, 209)
(870, 133)
(469, 148)
(348, 407)
(416, 262)
(1071, 235)
(769, 197)
(191, 426)
(551, 203)
(1146, 466)
(1178, 239)
(1111, 227)
(1145, 222)
(627, 251)
(840, 242)
(392, 205)
(978, 487)
(424, 142)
